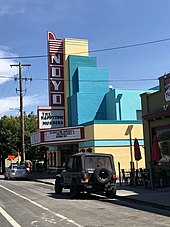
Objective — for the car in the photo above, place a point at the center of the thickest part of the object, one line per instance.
(88, 172)
(16, 171)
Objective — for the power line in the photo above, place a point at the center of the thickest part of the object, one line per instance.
(132, 45)
(94, 51)
(6, 77)
(110, 80)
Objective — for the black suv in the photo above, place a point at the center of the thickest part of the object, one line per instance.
(90, 172)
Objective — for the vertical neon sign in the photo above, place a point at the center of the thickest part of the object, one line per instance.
(56, 72)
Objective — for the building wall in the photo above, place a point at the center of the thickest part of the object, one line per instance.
(154, 116)
(90, 93)
(109, 137)
(105, 114)
(90, 85)
(71, 47)
(75, 62)
(123, 104)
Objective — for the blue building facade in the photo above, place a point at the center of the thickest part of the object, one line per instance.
(106, 113)
(91, 99)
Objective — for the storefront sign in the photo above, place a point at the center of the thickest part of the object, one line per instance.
(57, 136)
(35, 138)
(167, 87)
(49, 117)
(62, 134)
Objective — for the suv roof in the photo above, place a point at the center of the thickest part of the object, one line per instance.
(93, 154)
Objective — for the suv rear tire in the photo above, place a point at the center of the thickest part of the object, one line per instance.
(74, 190)
(58, 187)
(111, 194)
(102, 175)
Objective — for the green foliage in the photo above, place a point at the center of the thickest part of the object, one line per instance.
(10, 136)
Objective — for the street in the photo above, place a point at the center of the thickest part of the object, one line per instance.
(29, 203)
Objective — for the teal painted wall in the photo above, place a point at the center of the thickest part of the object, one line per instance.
(108, 143)
(90, 98)
(72, 111)
(123, 104)
(87, 103)
(78, 61)
(111, 113)
(93, 80)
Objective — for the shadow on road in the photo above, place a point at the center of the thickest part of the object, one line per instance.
(66, 195)
(117, 202)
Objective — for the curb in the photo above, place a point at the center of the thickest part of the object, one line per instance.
(140, 202)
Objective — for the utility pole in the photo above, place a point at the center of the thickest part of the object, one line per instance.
(21, 110)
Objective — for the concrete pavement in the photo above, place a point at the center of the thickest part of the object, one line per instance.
(158, 198)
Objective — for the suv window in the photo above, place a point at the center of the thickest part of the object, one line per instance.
(21, 167)
(77, 164)
(70, 164)
(13, 167)
(92, 162)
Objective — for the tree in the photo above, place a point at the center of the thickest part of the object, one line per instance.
(10, 136)
(31, 125)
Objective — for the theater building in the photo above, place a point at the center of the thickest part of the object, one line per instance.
(84, 111)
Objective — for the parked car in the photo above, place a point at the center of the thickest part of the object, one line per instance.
(16, 171)
(88, 172)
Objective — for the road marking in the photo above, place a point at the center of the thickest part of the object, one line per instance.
(63, 218)
(9, 218)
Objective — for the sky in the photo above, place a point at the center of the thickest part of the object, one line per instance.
(106, 24)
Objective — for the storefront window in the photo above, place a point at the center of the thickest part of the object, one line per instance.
(164, 143)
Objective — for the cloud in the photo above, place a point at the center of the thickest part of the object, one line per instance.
(11, 106)
(12, 7)
(5, 70)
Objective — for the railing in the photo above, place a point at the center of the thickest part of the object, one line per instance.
(155, 177)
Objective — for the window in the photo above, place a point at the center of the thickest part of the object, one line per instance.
(77, 164)
(70, 164)
(93, 162)
(164, 143)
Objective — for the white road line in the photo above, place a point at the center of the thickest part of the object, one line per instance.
(9, 218)
(44, 208)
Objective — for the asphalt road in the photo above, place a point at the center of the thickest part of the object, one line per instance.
(29, 203)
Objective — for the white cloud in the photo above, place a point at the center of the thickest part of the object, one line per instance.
(33, 101)
(5, 70)
(12, 102)
(11, 105)
(12, 7)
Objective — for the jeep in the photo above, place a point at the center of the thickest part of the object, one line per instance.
(88, 172)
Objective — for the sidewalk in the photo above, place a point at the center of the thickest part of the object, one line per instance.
(158, 198)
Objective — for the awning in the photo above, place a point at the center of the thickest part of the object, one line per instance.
(156, 115)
